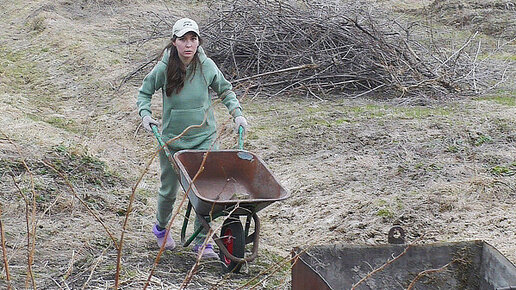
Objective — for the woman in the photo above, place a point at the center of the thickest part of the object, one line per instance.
(184, 74)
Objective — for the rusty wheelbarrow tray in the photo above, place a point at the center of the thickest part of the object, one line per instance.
(460, 265)
(231, 183)
(229, 177)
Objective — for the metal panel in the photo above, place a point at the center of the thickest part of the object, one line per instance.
(460, 265)
(305, 277)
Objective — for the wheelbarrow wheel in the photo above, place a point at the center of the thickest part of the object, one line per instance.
(232, 236)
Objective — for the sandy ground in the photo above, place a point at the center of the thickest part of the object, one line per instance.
(444, 171)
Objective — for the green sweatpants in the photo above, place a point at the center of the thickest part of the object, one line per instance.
(169, 187)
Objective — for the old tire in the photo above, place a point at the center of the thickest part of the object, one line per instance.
(232, 236)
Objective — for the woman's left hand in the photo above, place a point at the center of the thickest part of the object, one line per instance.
(241, 121)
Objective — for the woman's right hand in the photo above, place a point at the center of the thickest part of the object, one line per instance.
(147, 121)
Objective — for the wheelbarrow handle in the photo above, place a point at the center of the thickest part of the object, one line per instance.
(162, 144)
(241, 137)
(157, 135)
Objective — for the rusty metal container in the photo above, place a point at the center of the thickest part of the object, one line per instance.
(228, 178)
(461, 265)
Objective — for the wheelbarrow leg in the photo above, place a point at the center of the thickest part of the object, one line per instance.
(205, 220)
(185, 224)
(249, 238)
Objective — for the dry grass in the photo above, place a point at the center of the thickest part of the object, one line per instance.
(442, 170)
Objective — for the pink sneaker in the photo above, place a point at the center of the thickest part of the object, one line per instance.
(160, 235)
(208, 252)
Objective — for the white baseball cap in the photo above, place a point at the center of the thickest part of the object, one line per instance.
(183, 26)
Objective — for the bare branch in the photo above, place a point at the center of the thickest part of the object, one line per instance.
(381, 267)
(429, 271)
(4, 252)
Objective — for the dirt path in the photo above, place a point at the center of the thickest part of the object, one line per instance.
(443, 171)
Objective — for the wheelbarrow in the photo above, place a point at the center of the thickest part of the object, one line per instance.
(233, 184)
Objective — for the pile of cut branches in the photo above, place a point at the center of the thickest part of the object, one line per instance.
(351, 48)
(325, 46)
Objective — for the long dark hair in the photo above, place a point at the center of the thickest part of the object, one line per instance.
(176, 70)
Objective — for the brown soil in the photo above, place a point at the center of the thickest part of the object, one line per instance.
(444, 171)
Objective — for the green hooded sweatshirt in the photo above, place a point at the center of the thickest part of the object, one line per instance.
(189, 106)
